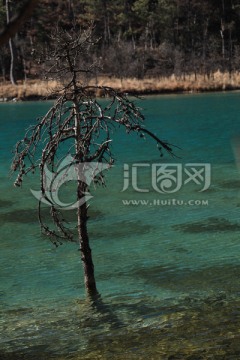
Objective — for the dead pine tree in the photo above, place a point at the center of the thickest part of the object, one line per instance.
(79, 127)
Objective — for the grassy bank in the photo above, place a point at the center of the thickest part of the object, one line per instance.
(37, 89)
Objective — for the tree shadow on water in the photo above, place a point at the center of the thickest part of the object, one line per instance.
(98, 313)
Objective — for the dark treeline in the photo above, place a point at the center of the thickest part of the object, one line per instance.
(137, 38)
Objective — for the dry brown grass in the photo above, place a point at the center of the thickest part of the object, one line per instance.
(215, 82)
(28, 89)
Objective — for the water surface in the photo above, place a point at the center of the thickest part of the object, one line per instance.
(168, 275)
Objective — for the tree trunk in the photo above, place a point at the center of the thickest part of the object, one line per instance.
(86, 253)
(12, 65)
(12, 49)
(3, 68)
(222, 30)
(204, 51)
(23, 63)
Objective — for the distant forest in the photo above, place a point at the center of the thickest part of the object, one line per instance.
(136, 38)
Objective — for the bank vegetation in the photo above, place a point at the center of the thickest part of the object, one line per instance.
(143, 46)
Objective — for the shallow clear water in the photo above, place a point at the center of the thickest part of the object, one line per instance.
(168, 275)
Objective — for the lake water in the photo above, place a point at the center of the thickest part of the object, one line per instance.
(168, 274)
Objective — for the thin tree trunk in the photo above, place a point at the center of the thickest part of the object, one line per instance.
(3, 68)
(205, 34)
(222, 30)
(230, 52)
(12, 49)
(86, 253)
(23, 65)
(12, 65)
(223, 37)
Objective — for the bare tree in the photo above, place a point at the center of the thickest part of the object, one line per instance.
(85, 124)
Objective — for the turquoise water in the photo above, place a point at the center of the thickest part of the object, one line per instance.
(161, 270)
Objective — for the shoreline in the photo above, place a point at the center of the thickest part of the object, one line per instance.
(33, 90)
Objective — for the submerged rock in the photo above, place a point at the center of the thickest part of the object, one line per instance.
(27, 216)
(5, 203)
(230, 184)
(212, 224)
